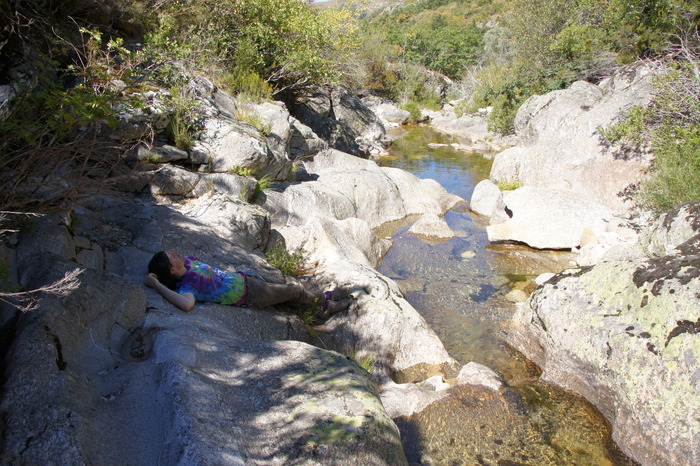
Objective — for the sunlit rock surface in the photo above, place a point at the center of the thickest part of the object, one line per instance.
(626, 335)
(560, 145)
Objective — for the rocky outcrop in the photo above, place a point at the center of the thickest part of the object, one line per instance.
(560, 144)
(625, 334)
(348, 198)
(259, 139)
(342, 120)
(548, 219)
(112, 371)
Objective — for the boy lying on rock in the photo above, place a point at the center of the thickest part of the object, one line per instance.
(184, 281)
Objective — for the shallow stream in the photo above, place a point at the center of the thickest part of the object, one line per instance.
(459, 286)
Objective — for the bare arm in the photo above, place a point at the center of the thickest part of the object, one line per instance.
(184, 301)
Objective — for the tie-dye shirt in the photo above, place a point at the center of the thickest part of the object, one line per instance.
(210, 284)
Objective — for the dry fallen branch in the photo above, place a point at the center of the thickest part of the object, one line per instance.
(26, 301)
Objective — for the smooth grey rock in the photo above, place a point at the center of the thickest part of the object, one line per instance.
(200, 154)
(478, 374)
(430, 226)
(560, 146)
(617, 333)
(159, 154)
(485, 198)
(47, 236)
(403, 400)
(231, 219)
(276, 117)
(549, 219)
(174, 181)
(235, 145)
(48, 400)
(390, 113)
(108, 383)
(303, 141)
(341, 119)
(92, 258)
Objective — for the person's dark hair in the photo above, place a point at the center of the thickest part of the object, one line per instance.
(160, 265)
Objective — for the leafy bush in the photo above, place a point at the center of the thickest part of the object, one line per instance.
(445, 42)
(546, 45)
(288, 263)
(671, 125)
(414, 109)
(51, 127)
(280, 41)
(263, 183)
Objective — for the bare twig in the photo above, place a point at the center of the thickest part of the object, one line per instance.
(28, 300)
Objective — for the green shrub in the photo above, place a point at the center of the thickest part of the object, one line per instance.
(671, 126)
(252, 118)
(676, 171)
(248, 84)
(180, 131)
(49, 127)
(288, 263)
(282, 42)
(414, 109)
(509, 185)
(263, 183)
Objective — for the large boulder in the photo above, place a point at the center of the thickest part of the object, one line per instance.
(561, 147)
(486, 198)
(625, 334)
(109, 373)
(549, 219)
(389, 113)
(382, 324)
(341, 119)
(236, 145)
(346, 186)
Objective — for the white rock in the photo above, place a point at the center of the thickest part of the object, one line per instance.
(478, 374)
(561, 146)
(549, 219)
(431, 226)
(485, 198)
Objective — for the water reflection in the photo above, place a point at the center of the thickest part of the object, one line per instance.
(459, 286)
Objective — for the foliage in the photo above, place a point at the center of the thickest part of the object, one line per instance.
(307, 314)
(52, 124)
(444, 41)
(249, 116)
(671, 125)
(183, 125)
(366, 362)
(509, 185)
(414, 109)
(241, 171)
(545, 45)
(282, 42)
(263, 183)
(289, 263)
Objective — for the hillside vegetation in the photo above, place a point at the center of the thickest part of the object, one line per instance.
(67, 67)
